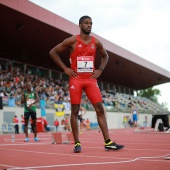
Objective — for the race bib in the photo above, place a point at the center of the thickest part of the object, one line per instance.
(85, 64)
(30, 101)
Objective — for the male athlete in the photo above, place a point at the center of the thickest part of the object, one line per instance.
(83, 76)
(29, 99)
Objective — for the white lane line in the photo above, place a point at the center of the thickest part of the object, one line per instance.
(91, 163)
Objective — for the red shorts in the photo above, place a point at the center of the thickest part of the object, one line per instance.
(89, 86)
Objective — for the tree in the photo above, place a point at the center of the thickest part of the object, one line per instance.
(150, 93)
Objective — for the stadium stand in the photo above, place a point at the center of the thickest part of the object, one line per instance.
(13, 79)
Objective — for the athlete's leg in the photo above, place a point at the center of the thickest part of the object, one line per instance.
(26, 118)
(109, 144)
(101, 119)
(34, 123)
(75, 88)
(93, 93)
(74, 121)
(34, 127)
(26, 127)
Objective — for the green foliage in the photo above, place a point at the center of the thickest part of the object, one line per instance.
(150, 93)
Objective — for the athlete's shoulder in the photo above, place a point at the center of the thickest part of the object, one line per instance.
(71, 39)
(98, 43)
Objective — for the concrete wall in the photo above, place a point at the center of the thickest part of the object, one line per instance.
(114, 119)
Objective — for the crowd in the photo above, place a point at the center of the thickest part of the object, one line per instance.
(125, 102)
(13, 81)
(55, 91)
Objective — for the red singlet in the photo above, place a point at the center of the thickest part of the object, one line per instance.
(82, 60)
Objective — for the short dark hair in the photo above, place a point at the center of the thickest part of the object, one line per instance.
(82, 18)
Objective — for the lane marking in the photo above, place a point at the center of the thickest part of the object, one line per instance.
(92, 163)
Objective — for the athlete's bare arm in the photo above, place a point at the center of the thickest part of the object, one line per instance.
(104, 54)
(104, 60)
(68, 43)
(24, 98)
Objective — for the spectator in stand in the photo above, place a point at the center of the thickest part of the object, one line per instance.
(56, 124)
(60, 100)
(23, 123)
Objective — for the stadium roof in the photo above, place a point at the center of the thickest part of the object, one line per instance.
(28, 32)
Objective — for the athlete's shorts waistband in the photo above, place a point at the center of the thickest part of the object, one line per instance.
(83, 76)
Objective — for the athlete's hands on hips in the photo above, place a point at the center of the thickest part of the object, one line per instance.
(96, 74)
(30, 105)
(71, 73)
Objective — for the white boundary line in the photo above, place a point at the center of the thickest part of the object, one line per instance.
(7, 165)
(92, 163)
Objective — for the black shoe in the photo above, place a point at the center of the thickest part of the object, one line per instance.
(113, 146)
(167, 130)
(77, 148)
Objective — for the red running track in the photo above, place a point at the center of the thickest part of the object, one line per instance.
(143, 150)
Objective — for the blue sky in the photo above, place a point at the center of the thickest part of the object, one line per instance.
(140, 26)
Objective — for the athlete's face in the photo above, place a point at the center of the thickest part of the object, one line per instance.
(86, 26)
(28, 87)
